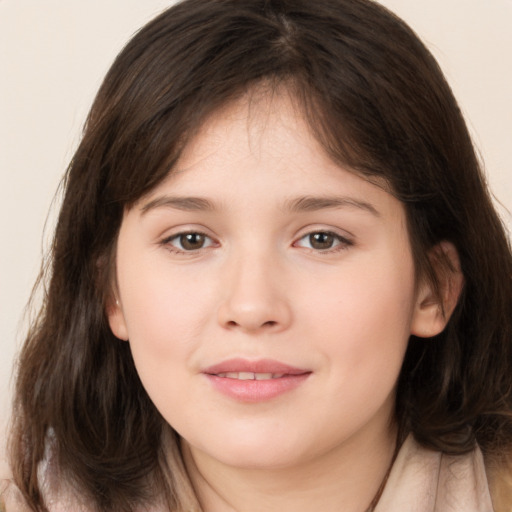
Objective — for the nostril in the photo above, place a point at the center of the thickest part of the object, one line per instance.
(268, 324)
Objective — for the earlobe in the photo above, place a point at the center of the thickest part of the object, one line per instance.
(116, 320)
(435, 305)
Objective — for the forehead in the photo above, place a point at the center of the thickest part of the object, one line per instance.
(265, 121)
(259, 152)
(261, 138)
(260, 123)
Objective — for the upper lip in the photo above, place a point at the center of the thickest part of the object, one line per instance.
(259, 366)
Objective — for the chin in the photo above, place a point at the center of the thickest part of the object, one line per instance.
(252, 452)
(256, 459)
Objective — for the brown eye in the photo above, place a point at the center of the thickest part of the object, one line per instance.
(188, 242)
(322, 240)
(192, 241)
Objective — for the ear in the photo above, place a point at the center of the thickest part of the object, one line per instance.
(435, 305)
(116, 319)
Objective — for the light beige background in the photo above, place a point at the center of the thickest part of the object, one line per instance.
(54, 53)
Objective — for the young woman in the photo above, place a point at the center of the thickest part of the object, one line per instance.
(278, 281)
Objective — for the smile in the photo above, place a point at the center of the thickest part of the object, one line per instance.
(254, 381)
(250, 375)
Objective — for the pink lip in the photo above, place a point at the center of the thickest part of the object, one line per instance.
(255, 390)
(259, 366)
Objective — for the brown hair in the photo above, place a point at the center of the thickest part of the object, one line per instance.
(377, 101)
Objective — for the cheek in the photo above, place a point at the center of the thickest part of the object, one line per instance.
(364, 297)
(362, 318)
(164, 314)
(162, 306)
(164, 318)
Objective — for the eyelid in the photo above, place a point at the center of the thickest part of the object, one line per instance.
(166, 241)
(344, 241)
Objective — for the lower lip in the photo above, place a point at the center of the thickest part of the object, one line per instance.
(256, 390)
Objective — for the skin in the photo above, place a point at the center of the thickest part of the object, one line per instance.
(259, 287)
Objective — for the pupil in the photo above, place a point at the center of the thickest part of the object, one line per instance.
(321, 240)
(192, 241)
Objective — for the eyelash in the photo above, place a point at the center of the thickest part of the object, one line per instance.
(167, 242)
(341, 243)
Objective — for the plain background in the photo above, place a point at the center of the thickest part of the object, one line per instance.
(54, 54)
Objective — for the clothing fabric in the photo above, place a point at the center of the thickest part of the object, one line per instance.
(423, 480)
(420, 480)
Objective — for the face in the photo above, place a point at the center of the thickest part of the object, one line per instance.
(267, 294)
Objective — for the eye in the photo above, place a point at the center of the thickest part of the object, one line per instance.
(188, 242)
(323, 241)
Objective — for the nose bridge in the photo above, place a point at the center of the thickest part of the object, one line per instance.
(254, 297)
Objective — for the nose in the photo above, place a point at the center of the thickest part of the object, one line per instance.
(254, 296)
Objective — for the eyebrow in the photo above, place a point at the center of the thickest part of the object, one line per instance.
(310, 203)
(187, 204)
(300, 204)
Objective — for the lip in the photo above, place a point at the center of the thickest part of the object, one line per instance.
(258, 366)
(252, 391)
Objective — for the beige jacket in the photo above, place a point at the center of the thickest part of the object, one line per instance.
(421, 480)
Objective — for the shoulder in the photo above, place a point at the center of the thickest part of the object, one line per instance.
(500, 484)
(57, 499)
(57, 496)
(11, 499)
(423, 480)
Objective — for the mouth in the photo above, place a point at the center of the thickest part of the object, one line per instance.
(250, 375)
(254, 381)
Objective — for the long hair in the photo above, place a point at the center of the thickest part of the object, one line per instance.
(377, 101)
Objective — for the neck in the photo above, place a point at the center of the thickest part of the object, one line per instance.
(346, 478)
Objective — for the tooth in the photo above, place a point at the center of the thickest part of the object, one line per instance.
(231, 375)
(221, 375)
(263, 376)
(277, 375)
(246, 376)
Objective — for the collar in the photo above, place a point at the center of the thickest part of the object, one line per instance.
(424, 480)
